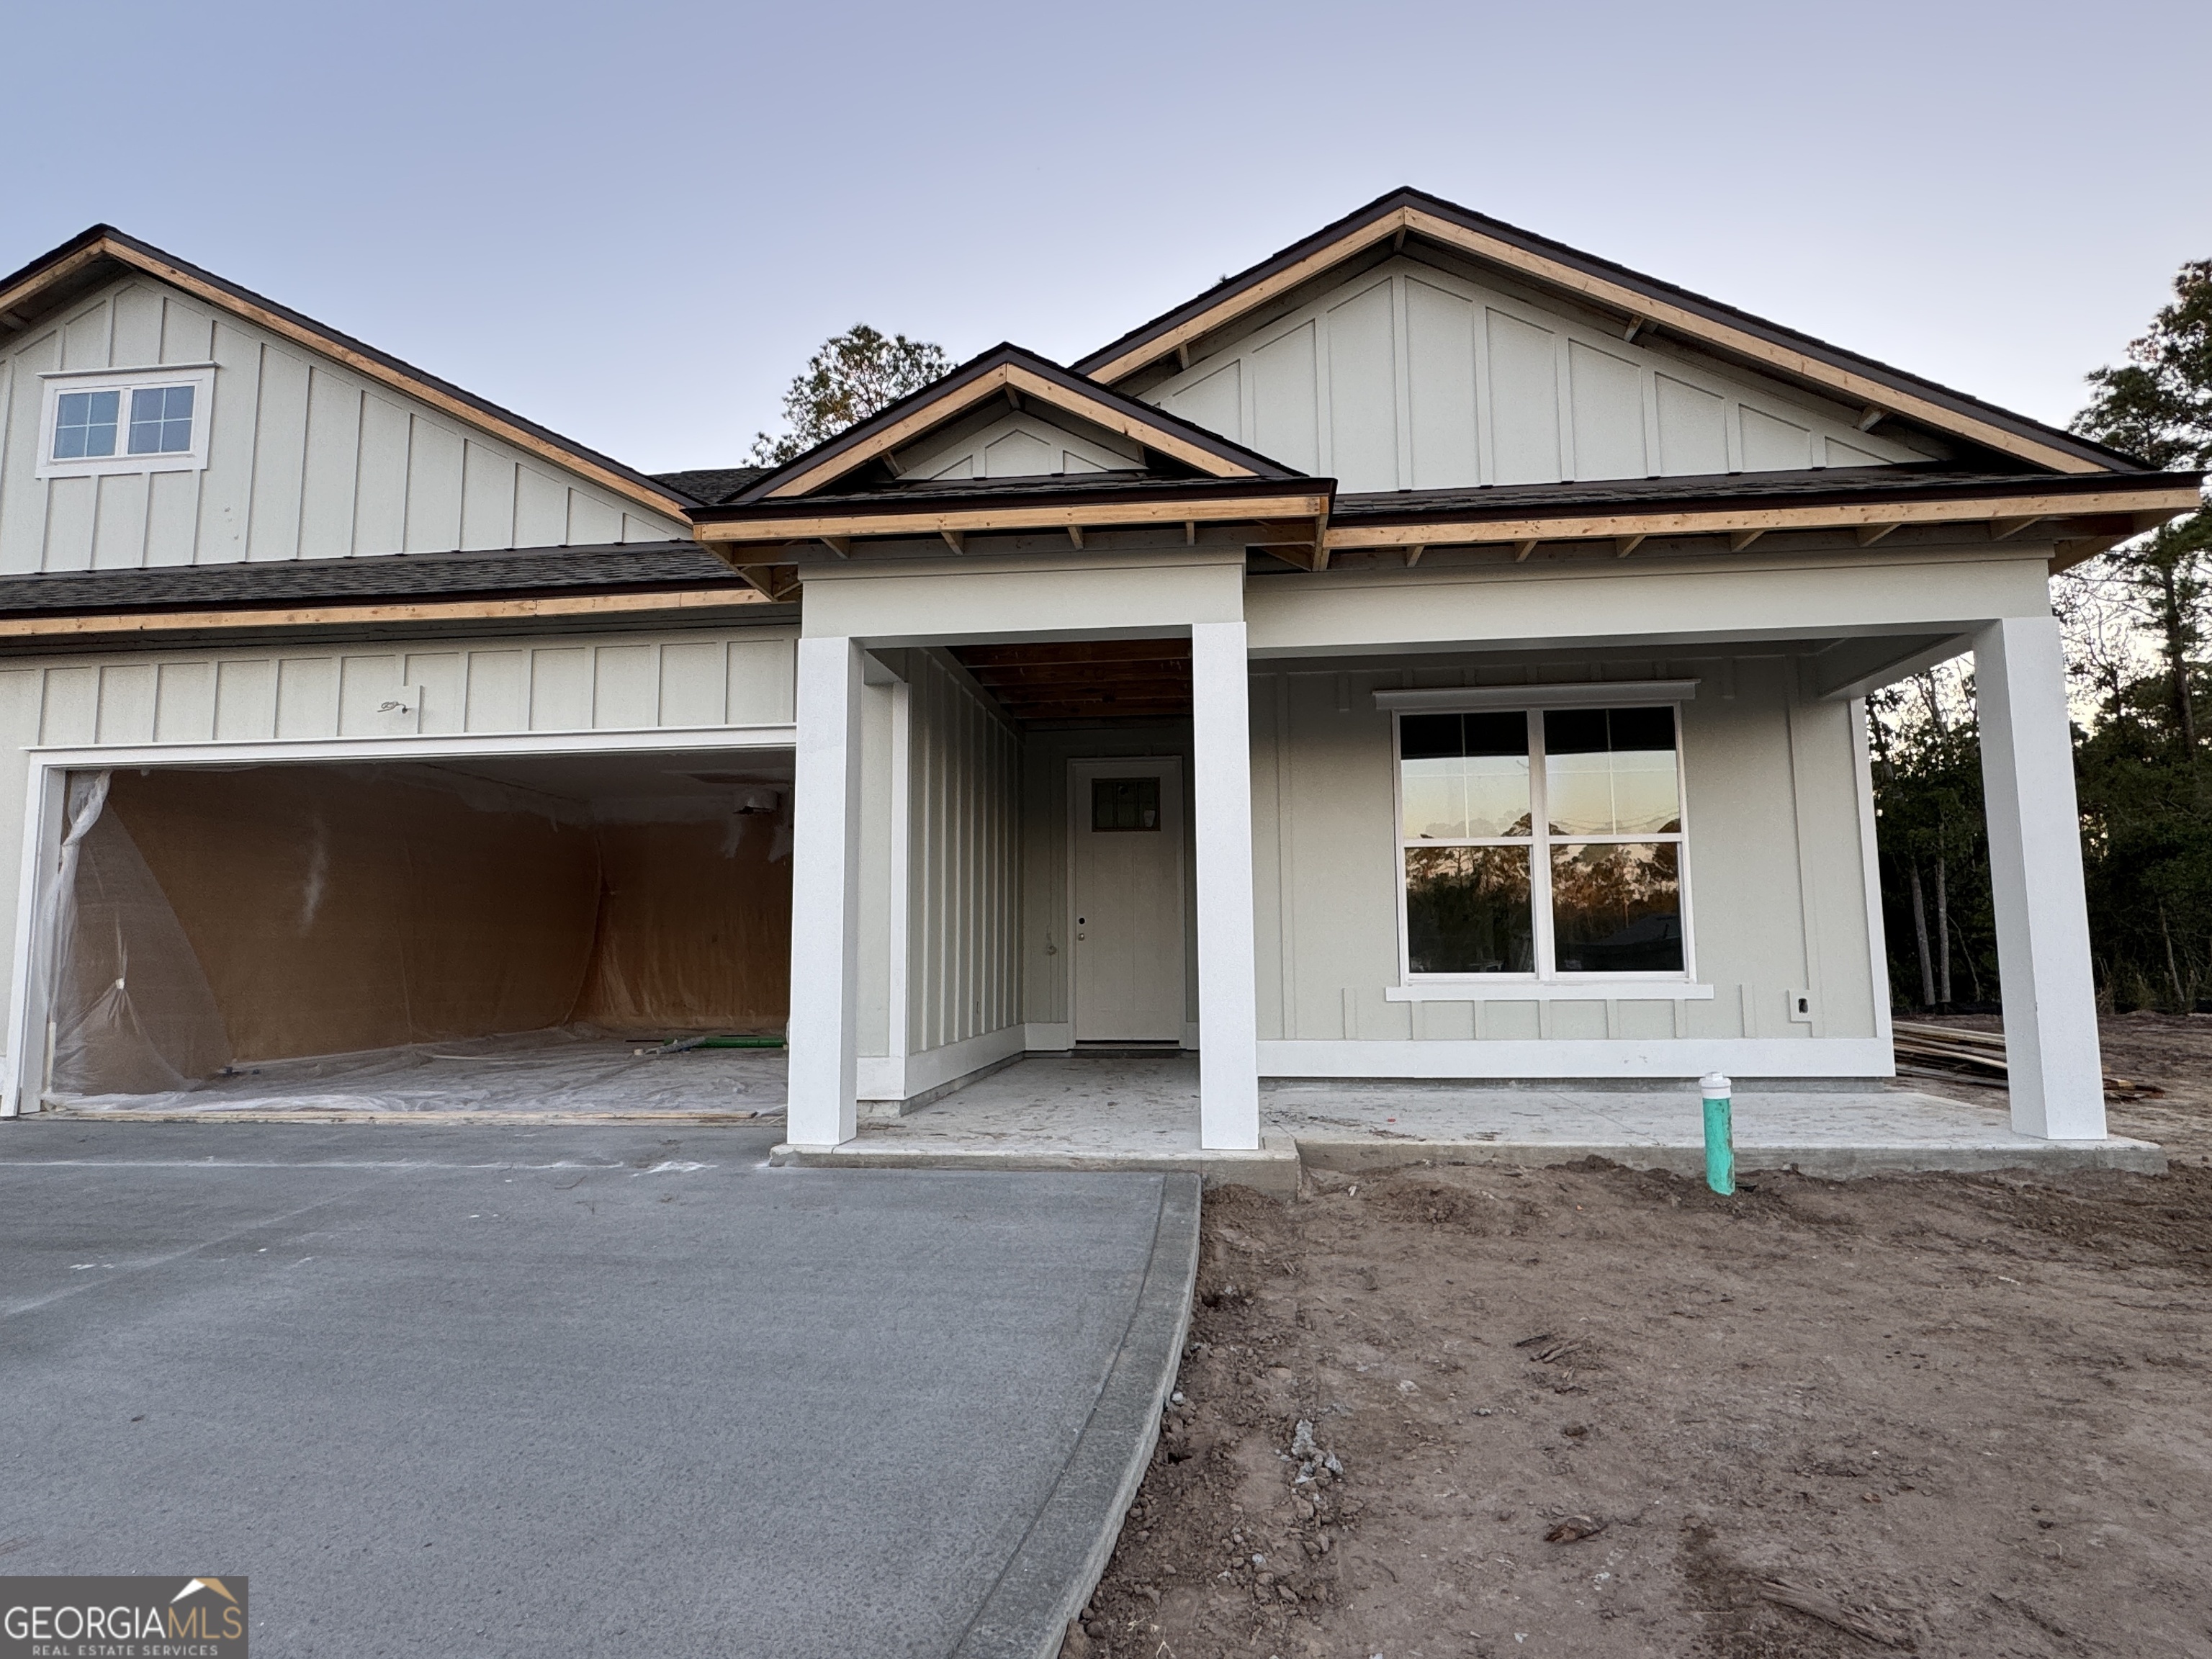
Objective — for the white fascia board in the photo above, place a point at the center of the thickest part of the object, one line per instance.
(1661, 1057)
(1549, 990)
(1611, 694)
(475, 745)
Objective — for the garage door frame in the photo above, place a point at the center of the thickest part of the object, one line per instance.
(33, 955)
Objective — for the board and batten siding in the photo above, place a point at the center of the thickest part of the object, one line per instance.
(493, 688)
(1410, 378)
(1776, 886)
(307, 460)
(964, 888)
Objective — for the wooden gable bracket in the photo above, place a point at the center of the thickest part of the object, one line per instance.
(955, 539)
(1625, 545)
(841, 546)
(2003, 529)
(777, 583)
(1636, 326)
(1523, 549)
(1868, 534)
(1075, 535)
(1739, 540)
(1190, 532)
(1413, 554)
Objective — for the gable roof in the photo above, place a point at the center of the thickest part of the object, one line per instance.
(1007, 370)
(1707, 322)
(96, 256)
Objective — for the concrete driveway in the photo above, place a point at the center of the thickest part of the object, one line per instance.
(578, 1390)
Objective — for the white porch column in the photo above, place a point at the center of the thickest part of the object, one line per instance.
(825, 895)
(1221, 797)
(2051, 1051)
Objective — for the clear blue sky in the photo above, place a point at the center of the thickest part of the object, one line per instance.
(632, 222)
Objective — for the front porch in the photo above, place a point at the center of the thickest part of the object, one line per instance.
(1077, 1112)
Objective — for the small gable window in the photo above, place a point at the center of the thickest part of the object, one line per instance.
(132, 421)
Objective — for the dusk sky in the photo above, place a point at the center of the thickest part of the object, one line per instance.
(633, 222)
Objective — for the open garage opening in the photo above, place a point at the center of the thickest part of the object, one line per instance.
(581, 933)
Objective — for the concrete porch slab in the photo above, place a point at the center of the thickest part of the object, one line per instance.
(1084, 1113)
(1831, 1133)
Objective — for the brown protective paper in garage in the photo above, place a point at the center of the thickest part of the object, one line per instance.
(694, 929)
(334, 909)
(133, 1014)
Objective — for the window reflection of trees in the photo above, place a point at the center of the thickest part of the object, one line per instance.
(1466, 910)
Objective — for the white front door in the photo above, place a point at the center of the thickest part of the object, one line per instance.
(1127, 819)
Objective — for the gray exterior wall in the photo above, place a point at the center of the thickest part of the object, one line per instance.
(1777, 892)
(307, 459)
(959, 987)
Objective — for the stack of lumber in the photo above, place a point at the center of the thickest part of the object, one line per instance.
(1965, 1056)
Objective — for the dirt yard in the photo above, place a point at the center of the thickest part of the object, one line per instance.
(1585, 1411)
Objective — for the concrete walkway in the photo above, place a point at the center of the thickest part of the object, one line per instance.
(1080, 1112)
(581, 1390)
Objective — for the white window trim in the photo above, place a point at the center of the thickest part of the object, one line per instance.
(1542, 986)
(199, 376)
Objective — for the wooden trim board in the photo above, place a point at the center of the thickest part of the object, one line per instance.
(1093, 515)
(574, 604)
(1731, 520)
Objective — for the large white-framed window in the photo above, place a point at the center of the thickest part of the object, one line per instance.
(1542, 836)
(134, 420)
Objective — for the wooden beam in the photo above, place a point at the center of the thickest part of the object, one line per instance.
(2003, 529)
(1137, 671)
(955, 539)
(1075, 535)
(1045, 516)
(1014, 397)
(2167, 502)
(1413, 554)
(1868, 534)
(841, 546)
(338, 616)
(1636, 326)
(1073, 651)
(1740, 539)
(1523, 549)
(1190, 532)
(2065, 555)
(1871, 417)
(1625, 545)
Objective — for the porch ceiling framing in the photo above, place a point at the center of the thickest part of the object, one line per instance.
(1084, 679)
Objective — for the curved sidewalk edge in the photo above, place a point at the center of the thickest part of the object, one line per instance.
(1060, 1559)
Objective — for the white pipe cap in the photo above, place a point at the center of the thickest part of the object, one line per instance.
(1716, 1085)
